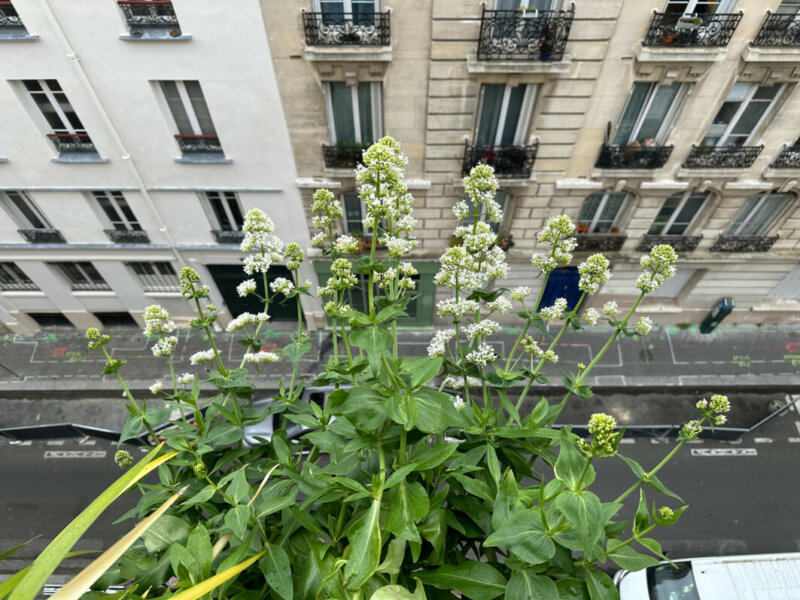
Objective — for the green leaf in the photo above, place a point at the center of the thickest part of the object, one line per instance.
(422, 369)
(156, 416)
(238, 488)
(403, 409)
(131, 429)
(476, 580)
(436, 411)
(572, 589)
(237, 519)
(642, 519)
(296, 351)
(365, 548)
(393, 561)
(399, 475)
(475, 487)
(434, 529)
(570, 464)
(11, 551)
(584, 512)
(167, 530)
(524, 535)
(506, 499)
(653, 546)
(374, 341)
(391, 311)
(634, 466)
(493, 463)
(431, 456)
(267, 506)
(199, 546)
(364, 408)
(397, 592)
(408, 503)
(655, 483)
(600, 585)
(275, 567)
(628, 558)
(539, 411)
(223, 434)
(525, 585)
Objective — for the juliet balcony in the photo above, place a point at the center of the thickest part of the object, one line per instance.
(789, 158)
(599, 242)
(524, 35)
(723, 157)
(343, 156)
(633, 157)
(680, 243)
(228, 236)
(673, 30)
(74, 147)
(347, 29)
(509, 162)
(127, 236)
(778, 31)
(150, 18)
(744, 243)
(42, 236)
(11, 25)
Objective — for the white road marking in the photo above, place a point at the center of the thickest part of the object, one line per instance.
(724, 452)
(797, 424)
(795, 440)
(86, 441)
(627, 441)
(20, 443)
(763, 440)
(75, 454)
(55, 442)
(694, 441)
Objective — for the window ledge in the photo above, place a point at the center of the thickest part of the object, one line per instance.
(20, 37)
(771, 54)
(102, 293)
(24, 293)
(160, 35)
(749, 184)
(506, 182)
(721, 173)
(309, 183)
(681, 55)
(164, 294)
(348, 53)
(204, 158)
(578, 183)
(518, 66)
(79, 158)
(3, 159)
(780, 173)
(626, 173)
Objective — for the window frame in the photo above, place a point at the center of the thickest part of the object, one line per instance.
(669, 120)
(616, 222)
(89, 283)
(768, 224)
(525, 113)
(345, 227)
(376, 99)
(159, 284)
(15, 278)
(50, 95)
(348, 5)
(122, 222)
(684, 198)
(225, 199)
(743, 104)
(725, 5)
(19, 216)
(188, 108)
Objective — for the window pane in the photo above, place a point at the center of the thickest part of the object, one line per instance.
(764, 215)
(608, 213)
(236, 212)
(670, 204)
(788, 7)
(177, 108)
(490, 114)
(110, 211)
(512, 115)
(200, 107)
(29, 212)
(631, 114)
(589, 208)
(748, 119)
(365, 112)
(657, 112)
(217, 207)
(352, 212)
(363, 12)
(342, 101)
(507, 4)
(686, 214)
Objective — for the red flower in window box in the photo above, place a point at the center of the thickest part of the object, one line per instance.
(583, 228)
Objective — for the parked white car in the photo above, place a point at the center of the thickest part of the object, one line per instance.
(749, 577)
(265, 428)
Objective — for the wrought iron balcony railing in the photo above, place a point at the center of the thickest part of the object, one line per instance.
(199, 144)
(42, 236)
(524, 35)
(127, 236)
(600, 242)
(722, 157)
(508, 161)
(789, 158)
(676, 30)
(72, 143)
(744, 243)
(681, 243)
(347, 29)
(9, 19)
(18, 286)
(633, 157)
(228, 236)
(343, 156)
(89, 286)
(778, 30)
(148, 14)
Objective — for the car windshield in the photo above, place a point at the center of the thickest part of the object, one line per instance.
(666, 582)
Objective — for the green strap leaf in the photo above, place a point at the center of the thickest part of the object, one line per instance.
(476, 580)
(525, 585)
(628, 558)
(408, 503)
(365, 548)
(600, 585)
(275, 567)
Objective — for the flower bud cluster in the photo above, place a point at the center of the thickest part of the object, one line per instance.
(187, 278)
(346, 244)
(204, 356)
(657, 267)
(156, 321)
(482, 355)
(186, 378)
(325, 207)
(458, 403)
(258, 228)
(457, 383)
(96, 339)
(479, 330)
(342, 278)
(294, 255)
(123, 459)
(643, 325)
(247, 287)
(557, 233)
(591, 316)
(261, 358)
(281, 285)
(457, 308)
(520, 293)
(593, 272)
(715, 409)
(439, 343)
(551, 313)
(604, 438)
(500, 305)
(245, 319)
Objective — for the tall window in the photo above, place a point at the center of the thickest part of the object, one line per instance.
(678, 213)
(788, 7)
(156, 276)
(354, 112)
(67, 132)
(225, 210)
(601, 212)
(362, 12)
(82, 276)
(24, 211)
(118, 211)
(746, 106)
(649, 114)
(759, 214)
(504, 115)
(353, 220)
(501, 198)
(196, 132)
(12, 278)
(11, 26)
(527, 4)
(700, 7)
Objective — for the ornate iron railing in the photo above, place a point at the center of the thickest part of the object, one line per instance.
(676, 30)
(343, 156)
(194, 144)
(9, 19)
(347, 29)
(778, 30)
(744, 243)
(89, 286)
(524, 35)
(148, 14)
(127, 236)
(508, 161)
(681, 243)
(43, 236)
(228, 236)
(18, 286)
(633, 157)
(72, 143)
(600, 242)
(789, 158)
(723, 157)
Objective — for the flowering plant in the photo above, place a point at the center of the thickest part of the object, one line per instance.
(419, 477)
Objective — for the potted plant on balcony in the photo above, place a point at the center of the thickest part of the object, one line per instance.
(343, 155)
(668, 35)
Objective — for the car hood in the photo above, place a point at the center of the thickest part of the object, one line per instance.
(731, 578)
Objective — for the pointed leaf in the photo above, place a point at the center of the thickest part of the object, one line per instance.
(584, 512)
(365, 548)
(628, 558)
(408, 503)
(237, 519)
(600, 585)
(525, 585)
(524, 535)
(642, 519)
(476, 580)
(432, 456)
(275, 567)
(204, 587)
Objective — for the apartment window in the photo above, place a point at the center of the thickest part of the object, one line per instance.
(526, 4)
(196, 132)
(156, 276)
(676, 286)
(150, 18)
(677, 213)
(82, 276)
(33, 225)
(117, 210)
(649, 114)
(353, 220)
(225, 210)
(700, 7)
(116, 319)
(68, 134)
(601, 212)
(11, 25)
(354, 112)
(745, 108)
(46, 319)
(501, 198)
(759, 214)
(362, 12)
(12, 278)
(504, 114)
(788, 7)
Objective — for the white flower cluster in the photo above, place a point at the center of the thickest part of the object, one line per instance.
(438, 345)
(457, 383)
(245, 319)
(481, 329)
(383, 166)
(520, 293)
(461, 210)
(591, 316)
(457, 308)
(501, 305)
(204, 356)
(165, 346)
(156, 321)
(186, 378)
(325, 208)
(530, 346)
(398, 247)
(281, 285)
(481, 186)
(644, 325)
(658, 266)
(294, 255)
(551, 313)
(342, 278)
(258, 228)
(482, 355)
(157, 387)
(460, 268)
(593, 272)
(458, 403)
(610, 308)
(247, 287)
(556, 233)
(346, 244)
(261, 358)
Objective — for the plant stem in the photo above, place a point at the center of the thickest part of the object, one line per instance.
(649, 474)
(209, 335)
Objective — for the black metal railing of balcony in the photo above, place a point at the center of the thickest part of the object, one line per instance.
(228, 236)
(127, 236)
(18, 286)
(680, 243)
(199, 144)
(343, 156)
(9, 19)
(89, 286)
(778, 30)
(789, 158)
(42, 236)
(148, 14)
(722, 157)
(530, 35)
(744, 243)
(633, 157)
(347, 29)
(72, 143)
(676, 30)
(508, 161)
(599, 242)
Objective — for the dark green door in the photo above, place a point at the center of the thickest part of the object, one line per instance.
(227, 277)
